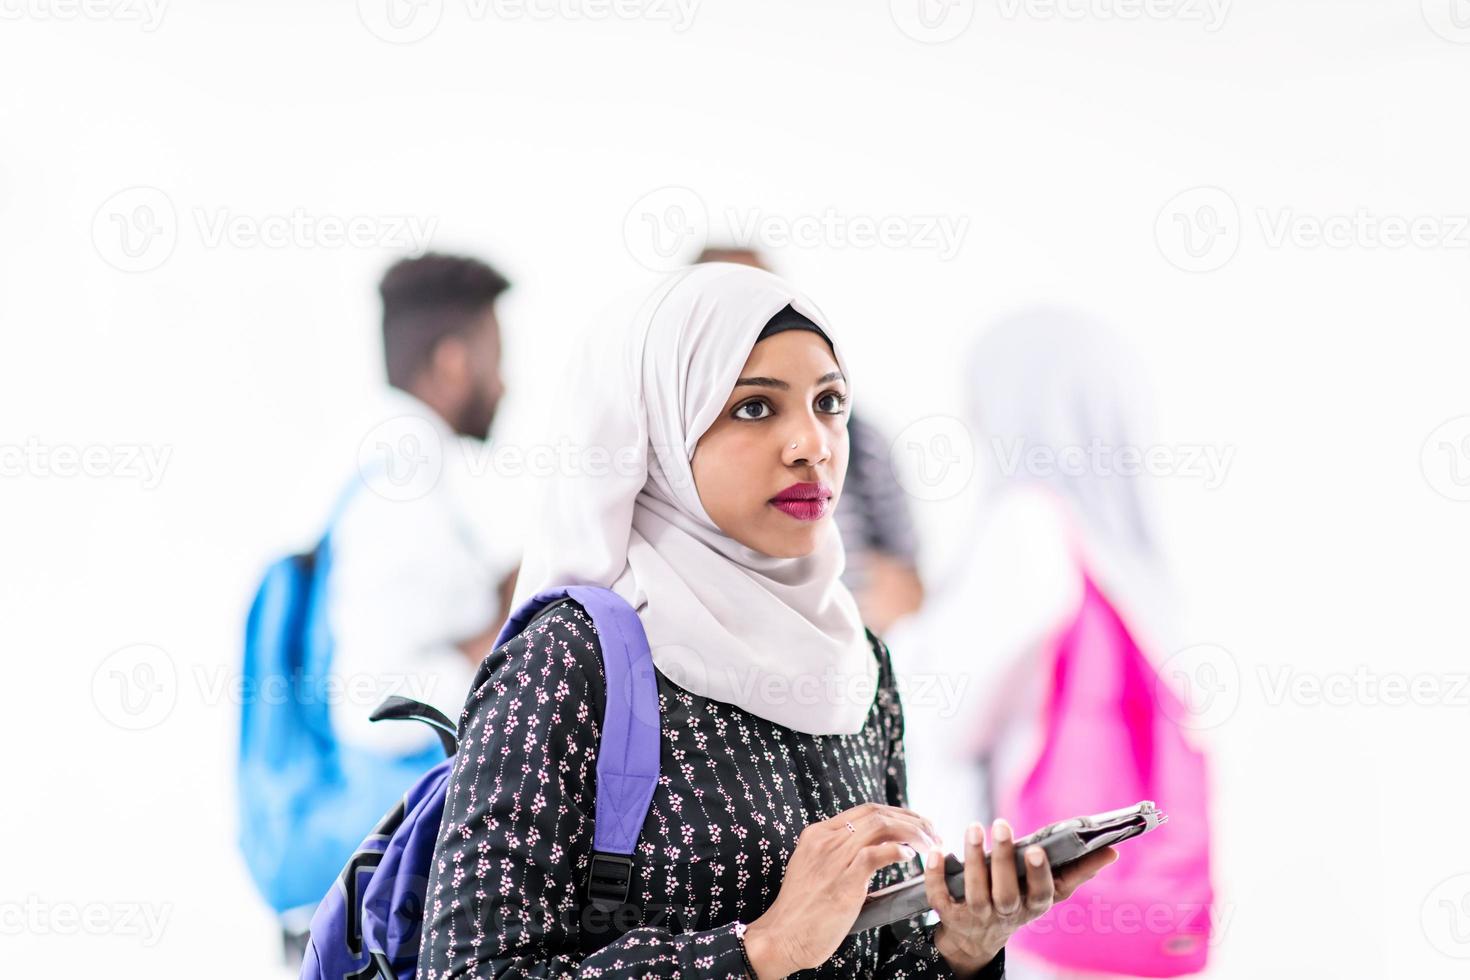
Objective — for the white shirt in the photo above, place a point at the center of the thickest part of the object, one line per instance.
(412, 575)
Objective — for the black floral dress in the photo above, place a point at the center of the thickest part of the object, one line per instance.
(507, 894)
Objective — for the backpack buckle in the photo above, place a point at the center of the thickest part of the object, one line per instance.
(609, 880)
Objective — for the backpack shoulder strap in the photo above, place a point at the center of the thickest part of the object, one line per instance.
(358, 482)
(396, 707)
(628, 753)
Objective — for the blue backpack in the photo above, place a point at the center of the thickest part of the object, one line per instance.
(369, 924)
(305, 800)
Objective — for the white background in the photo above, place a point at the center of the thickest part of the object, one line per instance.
(1330, 545)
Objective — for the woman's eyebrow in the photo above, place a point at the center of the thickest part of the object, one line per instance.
(764, 383)
(780, 385)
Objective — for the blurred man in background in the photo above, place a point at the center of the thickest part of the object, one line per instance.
(874, 520)
(402, 595)
(418, 588)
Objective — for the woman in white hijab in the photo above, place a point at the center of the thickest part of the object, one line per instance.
(706, 447)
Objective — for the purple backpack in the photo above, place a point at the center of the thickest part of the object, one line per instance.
(369, 924)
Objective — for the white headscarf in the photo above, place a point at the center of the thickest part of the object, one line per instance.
(1063, 380)
(779, 637)
(1066, 380)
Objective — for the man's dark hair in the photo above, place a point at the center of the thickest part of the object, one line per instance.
(426, 299)
(739, 254)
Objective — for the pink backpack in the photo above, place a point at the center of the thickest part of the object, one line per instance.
(1110, 741)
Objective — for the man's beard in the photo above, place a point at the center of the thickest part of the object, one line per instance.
(475, 417)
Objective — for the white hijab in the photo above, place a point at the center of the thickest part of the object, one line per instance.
(778, 637)
(1061, 379)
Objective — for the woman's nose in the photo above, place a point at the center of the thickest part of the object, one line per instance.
(806, 445)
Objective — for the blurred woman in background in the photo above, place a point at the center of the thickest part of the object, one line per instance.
(1054, 710)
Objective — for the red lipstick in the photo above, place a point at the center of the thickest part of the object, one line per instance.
(804, 501)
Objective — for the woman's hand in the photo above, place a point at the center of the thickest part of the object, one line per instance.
(825, 883)
(974, 929)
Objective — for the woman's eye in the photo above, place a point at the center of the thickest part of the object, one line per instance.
(832, 403)
(752, 410)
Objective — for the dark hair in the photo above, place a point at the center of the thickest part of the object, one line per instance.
(739, 254)
(426, 299)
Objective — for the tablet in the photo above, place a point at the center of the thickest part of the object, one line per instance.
(1064, 843)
